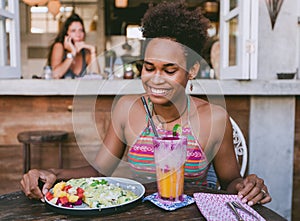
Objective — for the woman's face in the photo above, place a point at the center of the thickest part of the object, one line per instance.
(76, 32)
(163, 75)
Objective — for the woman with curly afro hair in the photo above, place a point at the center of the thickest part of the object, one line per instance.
(174, 34)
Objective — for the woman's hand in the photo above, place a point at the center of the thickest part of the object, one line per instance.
(29, 183)
(252, 190)
(80, 45)
(69, 46)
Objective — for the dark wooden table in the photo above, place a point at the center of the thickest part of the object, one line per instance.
(16, 206)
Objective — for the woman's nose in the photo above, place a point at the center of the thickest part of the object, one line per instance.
(157, 78)
(78, 34)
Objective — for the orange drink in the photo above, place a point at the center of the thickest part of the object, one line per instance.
(170, 155)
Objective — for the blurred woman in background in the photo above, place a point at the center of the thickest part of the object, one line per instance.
(70, 56)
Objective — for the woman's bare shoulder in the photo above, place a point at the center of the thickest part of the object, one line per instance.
(58, 46)
(126, 107)
(58, 50)
(205, 107)
(127, 103)
(127, 100)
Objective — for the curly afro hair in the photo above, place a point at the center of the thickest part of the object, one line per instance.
(175, 21)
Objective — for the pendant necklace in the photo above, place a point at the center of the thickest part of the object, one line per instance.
(169, 121)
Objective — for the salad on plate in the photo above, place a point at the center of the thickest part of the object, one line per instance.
(91, 193)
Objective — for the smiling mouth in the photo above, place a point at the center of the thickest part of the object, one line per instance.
(159, 91)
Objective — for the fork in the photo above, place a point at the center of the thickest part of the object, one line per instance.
(239, 206)
(231, 206)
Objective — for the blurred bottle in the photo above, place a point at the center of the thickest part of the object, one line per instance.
(205, 73)
(47, 72)
(128, 72)
(118, 68)
(110, 58)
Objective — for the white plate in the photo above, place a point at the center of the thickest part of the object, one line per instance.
(84, 209)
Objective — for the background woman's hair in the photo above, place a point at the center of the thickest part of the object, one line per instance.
(175, 21)
(63, 32)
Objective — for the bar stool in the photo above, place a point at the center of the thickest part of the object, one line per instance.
(40, 137)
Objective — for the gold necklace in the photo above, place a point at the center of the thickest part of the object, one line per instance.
(169, 121)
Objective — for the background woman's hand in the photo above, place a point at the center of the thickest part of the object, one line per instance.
(252, 190)
(30, 180)
(69, 46)
(80, 45)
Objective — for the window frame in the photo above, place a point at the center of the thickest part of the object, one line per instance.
(13, 70)
(247, 54)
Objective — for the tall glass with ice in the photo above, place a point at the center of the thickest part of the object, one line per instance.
(170, 155)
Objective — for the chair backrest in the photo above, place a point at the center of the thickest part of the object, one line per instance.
(240, 147)
(241, 154)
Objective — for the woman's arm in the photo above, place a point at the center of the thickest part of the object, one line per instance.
(107, 159)
(93, 65)
(225, 163)
(250, 189)
(114, 143)
(110, 153)
(58, 64)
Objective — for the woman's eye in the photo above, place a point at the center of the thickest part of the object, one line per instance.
(170, 71)
(149, 68)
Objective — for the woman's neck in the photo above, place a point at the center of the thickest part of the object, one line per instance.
(169, 114)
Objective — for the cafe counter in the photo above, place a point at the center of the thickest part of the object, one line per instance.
(112, 87)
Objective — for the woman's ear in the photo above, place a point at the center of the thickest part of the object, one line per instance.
(194, 70)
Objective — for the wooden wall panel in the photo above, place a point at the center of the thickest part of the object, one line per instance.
(11, 166)
(20, 113)
(296, 180)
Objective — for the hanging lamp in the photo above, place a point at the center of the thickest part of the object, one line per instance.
(54, 7)
(121, 3)
(35, 2)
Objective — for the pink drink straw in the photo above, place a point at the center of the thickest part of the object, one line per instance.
(150, 116)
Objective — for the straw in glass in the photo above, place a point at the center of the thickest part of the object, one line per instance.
(150, 116)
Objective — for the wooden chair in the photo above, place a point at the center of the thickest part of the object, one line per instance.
(40, 137)
(241, 153)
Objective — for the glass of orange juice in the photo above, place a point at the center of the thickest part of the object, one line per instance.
(170, 155)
